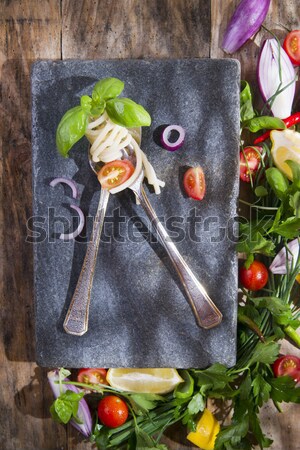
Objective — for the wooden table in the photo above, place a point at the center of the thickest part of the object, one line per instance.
(62, 29)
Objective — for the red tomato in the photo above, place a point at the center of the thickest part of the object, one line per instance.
(292, 46)
(287, 365)
(112, 411)
(194, 183)
(250, 164)
(254, 278)
(115, 173)
(92, 376)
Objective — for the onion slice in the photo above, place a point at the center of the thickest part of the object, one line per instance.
(165, 137)
(279, 263)
(84, 415)
(75, 233)
(67, 181)
(245, 22)
(273, 60)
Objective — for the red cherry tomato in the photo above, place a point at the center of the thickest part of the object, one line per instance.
(254, 278)
(287, 365)
(115, 173)
(249, 162)
(292, 46)
(194, 183)
(92, 376)
(112, 411)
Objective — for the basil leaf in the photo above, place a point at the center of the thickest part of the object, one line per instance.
(295, 168)
(261, 191)
(264, 122)
(71, 129)
(107, 88)
(277, 181)
(86, 103)
(127, 113)
(246, 108)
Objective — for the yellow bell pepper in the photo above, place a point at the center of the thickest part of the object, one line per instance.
(206, 431)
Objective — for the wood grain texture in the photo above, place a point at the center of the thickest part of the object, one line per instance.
(30, 30)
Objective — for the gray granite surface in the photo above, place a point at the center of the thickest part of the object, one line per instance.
(139, 316)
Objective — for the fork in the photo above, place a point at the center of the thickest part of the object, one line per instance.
(206, 313)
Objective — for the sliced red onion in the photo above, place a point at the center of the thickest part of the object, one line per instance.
(78, 230)
(278, 265)
(67, 181)
(272, 59)
(165, 137)
(83, 414)
(245, 22)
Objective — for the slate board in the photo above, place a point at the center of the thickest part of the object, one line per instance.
(139, 316)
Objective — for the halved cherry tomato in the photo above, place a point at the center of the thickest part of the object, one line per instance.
(112, 411)
(287, 365)
(115, 173)
(249, 162)
(254, 278)
(194, 183)
(92, 376)
(292, 46)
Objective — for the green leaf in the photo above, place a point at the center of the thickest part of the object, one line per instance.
(196, 404)
(265, 353)
(278, 182)
(246, 108)
(261, 191)
(294, 201)
(106, 89)
(289, 228)
(264, 122)
(295, 168)
(262, 440)
(141, 403)
(63, 409)
(253, 241)
(127, 113)
(261, 389)
(71, 129)
(86, 103)
(284, 390)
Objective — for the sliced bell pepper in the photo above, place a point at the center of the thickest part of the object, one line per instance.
(206, 432)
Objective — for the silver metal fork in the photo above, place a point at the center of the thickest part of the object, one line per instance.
(205, 311)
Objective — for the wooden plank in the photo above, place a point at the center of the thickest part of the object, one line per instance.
(28, 30)
(136, 29)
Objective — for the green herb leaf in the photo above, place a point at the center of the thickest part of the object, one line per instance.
(127, 113)
(261, 191)
(261, 389)
(71, 129)
(294, 201)
(284, 390)
(264, 122)
(289, 228)
(278, 182)
(295, 168)
(141, 403)
(264, 353)
(196, 404)
(246, 108)
(106, 89)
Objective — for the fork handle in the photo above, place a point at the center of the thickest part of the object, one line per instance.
(77, 317)
(205, 311)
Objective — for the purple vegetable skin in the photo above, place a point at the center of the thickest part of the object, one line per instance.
(246, 20)
(84, 415)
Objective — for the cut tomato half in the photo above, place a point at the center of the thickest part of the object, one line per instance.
(287, 365)
(194, 183)
(250, 159)
(92, 376)
(115, 173)
(292, 46)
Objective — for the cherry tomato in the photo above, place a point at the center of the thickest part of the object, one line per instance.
(287, 365)
(194, 183)
(115, 173)
(292, 46)
(112, 411)
(254, 278)
(92, 376)
(250, 164)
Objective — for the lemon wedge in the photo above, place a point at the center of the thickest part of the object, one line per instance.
(285, 145)
(154, 381)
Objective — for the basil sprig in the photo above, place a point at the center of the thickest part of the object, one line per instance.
(121, 111)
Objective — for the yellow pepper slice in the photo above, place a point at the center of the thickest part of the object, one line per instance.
(206, 431)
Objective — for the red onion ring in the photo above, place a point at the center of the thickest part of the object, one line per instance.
(75, 233)
(171, 146)
(67, 181)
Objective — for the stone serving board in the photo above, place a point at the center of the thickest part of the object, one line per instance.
(139, 316)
